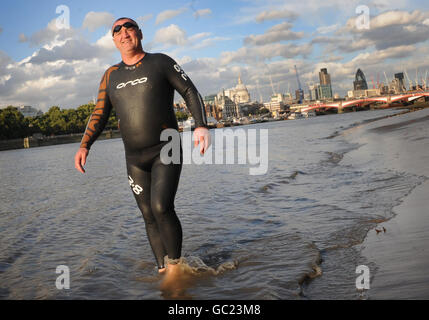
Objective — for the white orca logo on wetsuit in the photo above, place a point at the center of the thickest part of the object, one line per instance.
(132, 82)
(182, 73)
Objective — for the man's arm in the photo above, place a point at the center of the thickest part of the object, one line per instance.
(96, 124)
(100, 115)
(181, 82)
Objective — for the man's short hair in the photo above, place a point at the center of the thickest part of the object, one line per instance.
(128, 19)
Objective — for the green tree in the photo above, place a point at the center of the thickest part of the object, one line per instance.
(13, 125)
(41, 124)
(113, 120)
(181, 116)
(54, 122)
(57, 123)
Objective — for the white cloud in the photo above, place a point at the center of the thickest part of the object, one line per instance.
(106, 42)
(209, 42)
(64, 72)
(48, 34)
(387, 30)
(380, 56)
(94, 20)
(199, 36)
(251, 55)
(280, 27)
(276, 15)
(183, 60)
(202, 13)
(328, 29)
(168, 14)
(74, 49)
(171, 35)
(4, 59)
(276, 33)
(387, 19)
(394, 18)
(382, 4)
(143, 19)
(272, 37)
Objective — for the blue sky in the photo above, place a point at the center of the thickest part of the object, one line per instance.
(214, 41)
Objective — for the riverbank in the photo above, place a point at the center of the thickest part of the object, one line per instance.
(398, 247)
(43, 141)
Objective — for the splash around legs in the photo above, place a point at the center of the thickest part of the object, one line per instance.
(177, 278)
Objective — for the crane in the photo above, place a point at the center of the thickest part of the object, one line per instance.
(387, 81)
(259, 92)
(301, 93)
(425, 79)
(410, 83)
(271, 81)
(417, 81)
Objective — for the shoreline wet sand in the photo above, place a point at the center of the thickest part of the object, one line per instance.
(398, 246)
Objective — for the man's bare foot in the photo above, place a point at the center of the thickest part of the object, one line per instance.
(176, 280)
(161, 271)
(172, 276)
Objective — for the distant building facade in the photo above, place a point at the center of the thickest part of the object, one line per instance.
(364, 93)
(276, 104)
(314, 92)
(210, 104)
(324, 77)
(226, 107)
(360, 81)
(399, 82)
(29, 111)
(239, 94)
(233, 102)
(325, 88)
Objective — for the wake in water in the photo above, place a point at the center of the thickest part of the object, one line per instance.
(279, 179)
(182, 274)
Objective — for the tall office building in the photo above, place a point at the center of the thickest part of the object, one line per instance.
(399, 79)
(325, 91)
(360, 81)
(325, 88)
(324, 77)
(314, 92)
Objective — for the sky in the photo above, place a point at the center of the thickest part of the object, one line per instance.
(54, 53)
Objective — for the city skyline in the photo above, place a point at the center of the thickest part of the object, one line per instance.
(214, 42)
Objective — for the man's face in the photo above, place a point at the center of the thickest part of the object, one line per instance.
(126, 40)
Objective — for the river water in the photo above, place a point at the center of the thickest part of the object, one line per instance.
(290, 233)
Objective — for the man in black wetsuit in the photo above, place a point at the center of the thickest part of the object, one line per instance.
(141, 89)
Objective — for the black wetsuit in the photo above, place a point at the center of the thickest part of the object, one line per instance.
(142, 95)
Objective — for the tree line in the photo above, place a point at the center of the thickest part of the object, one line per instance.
(13, 125)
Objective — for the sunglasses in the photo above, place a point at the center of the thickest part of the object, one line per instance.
(126, 25)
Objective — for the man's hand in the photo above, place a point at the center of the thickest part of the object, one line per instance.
(80, 159)
(202, 137)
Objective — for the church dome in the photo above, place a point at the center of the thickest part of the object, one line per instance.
(240, 86)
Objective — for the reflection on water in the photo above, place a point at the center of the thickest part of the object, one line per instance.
(245, 237)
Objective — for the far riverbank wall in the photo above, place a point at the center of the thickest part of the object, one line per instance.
(42, 141)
